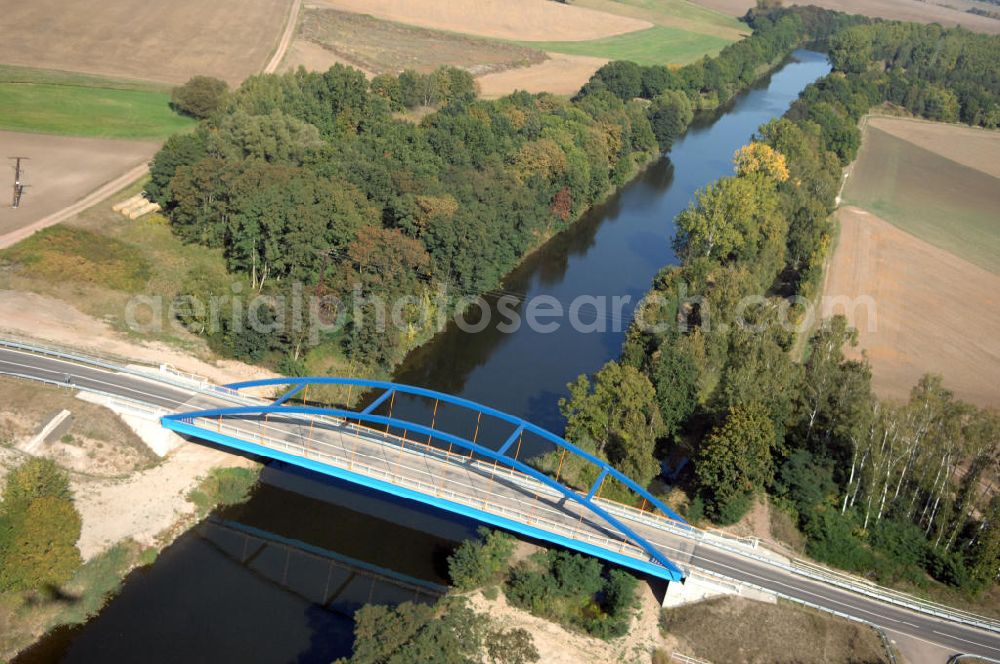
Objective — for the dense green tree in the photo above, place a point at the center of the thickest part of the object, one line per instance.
(37, 477)
(736, 458)
(573, 589)
(179, 150)
(448, 633)
(619, 415)
(200, 97)
(39, 527)
(669, 115)
(42, 545)
(676, 371)
(985, 566)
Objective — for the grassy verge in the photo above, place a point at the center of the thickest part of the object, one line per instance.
(654, 46)
(54, 102)
(99, 259)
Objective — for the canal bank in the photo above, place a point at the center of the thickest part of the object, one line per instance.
(199, 601)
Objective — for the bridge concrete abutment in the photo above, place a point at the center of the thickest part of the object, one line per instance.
(699, 587)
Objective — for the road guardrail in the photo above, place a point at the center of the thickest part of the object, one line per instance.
(795, 566)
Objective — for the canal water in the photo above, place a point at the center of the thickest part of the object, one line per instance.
(277, 579)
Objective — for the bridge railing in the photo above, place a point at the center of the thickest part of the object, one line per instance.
(520, 424)
(379, 467)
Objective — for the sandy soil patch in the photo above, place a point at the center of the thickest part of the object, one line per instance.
(732, 629)
(560, 74)
(160, 41)
(933, 312)
(525, 20)
(970, 146)
(48, 319)
(557, 645)
(147, 504)
(61, 170)
(899, 10)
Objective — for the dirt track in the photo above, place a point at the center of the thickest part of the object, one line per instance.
(527, 20)
(933, 311)
(158, 41)
(61, 171)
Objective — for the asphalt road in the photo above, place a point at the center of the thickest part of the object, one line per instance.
(84, 377)
(901, 622)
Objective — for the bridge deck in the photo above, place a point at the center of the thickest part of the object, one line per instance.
(482, 490)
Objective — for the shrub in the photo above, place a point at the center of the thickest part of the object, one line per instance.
(832, 540)
(949, 567)
(224, 486)
(732, 509)
(35, 478)
(511, 647)
(478, 562)
(573, 590)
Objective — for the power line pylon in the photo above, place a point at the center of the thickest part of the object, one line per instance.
(18, 185)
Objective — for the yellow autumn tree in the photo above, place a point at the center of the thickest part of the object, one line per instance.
(761, 158)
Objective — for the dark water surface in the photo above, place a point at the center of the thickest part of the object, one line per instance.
(277, 579)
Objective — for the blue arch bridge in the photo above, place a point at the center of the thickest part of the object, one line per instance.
(469, 459)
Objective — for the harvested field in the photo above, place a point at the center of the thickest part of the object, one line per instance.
(918, 11)
(732, 629)
(160, 41)
(61, 170)
(970, 146)
(380, 47)
(314, 57)
(528, 20)
(934, 312)
(560, 74)
(939, 200)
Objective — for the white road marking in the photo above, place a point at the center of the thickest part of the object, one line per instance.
(981, 645)
(744, 572)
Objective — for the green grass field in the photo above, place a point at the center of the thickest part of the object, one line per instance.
(658, 45)
(940, 201)
(673, 13)
(52, 102)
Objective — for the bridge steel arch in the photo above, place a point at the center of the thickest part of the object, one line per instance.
(658, 564)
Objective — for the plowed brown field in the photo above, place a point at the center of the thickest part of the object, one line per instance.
(158, 41)
(919, 309)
